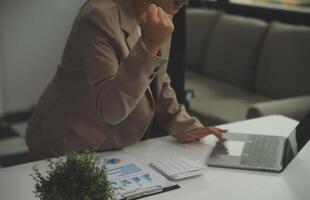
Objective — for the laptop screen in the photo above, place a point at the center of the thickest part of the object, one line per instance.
(297, 140)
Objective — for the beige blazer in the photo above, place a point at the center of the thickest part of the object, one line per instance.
(100, 96)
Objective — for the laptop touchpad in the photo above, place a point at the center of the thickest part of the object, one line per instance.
(230, 147)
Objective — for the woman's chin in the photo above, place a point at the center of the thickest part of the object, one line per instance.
(173, 11)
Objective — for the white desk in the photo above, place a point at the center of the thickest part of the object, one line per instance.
(217, 183)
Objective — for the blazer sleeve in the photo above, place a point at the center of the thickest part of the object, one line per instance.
(116, 86)
(171, 115)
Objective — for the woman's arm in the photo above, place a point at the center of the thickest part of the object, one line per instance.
(116, 86)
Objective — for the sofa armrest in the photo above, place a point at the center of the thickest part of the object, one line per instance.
(294, 107)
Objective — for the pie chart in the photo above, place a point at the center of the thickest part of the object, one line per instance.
(114, 161)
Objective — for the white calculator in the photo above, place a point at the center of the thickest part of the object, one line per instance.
(176, 168)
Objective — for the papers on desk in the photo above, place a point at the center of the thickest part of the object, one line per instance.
(131, 180)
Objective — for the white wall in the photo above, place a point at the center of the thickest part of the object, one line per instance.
(32, 37)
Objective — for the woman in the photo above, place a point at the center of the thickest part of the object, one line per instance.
(112, 82)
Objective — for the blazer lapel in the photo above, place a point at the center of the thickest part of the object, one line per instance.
(131, 39)
(128, 21)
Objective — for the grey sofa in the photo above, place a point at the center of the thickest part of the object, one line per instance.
(242, 68)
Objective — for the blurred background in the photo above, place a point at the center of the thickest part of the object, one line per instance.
(230, 60)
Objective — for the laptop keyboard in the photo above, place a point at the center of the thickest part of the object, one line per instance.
(261, 152)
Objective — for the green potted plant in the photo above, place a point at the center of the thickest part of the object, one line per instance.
(76, 177)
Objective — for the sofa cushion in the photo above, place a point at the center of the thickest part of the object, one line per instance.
(231, 109)
(284, 65)
(199, 26)
(207, 89)
(227, 109)
(217, 101)
(233, 50)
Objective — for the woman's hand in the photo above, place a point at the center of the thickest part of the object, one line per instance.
(156, 28)
(196, 134)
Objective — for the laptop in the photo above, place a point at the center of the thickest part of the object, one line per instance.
(260, 152)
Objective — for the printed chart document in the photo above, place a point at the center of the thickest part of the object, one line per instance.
(131, 180)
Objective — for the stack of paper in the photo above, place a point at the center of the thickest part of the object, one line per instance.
(130, 180)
